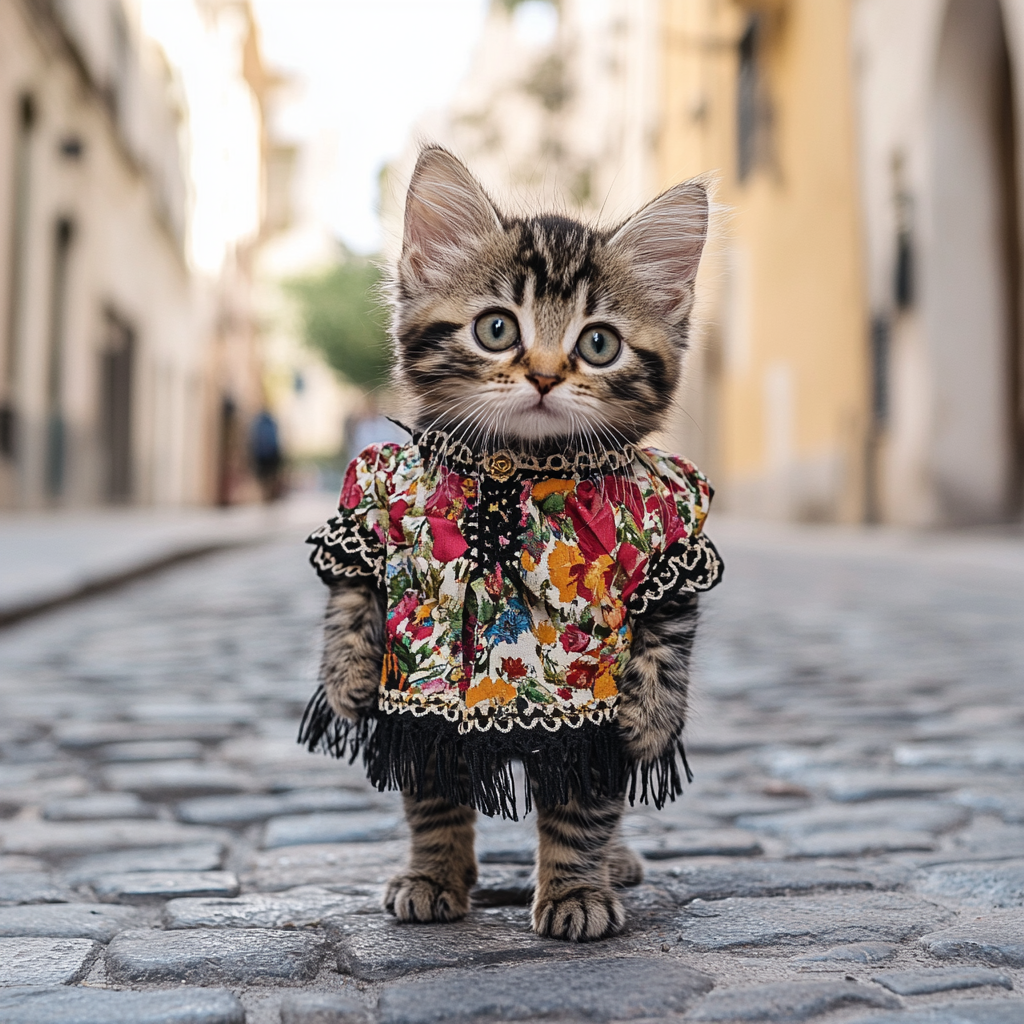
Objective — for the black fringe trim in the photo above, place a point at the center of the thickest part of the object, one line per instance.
(476, 768)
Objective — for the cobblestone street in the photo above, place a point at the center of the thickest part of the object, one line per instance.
(852, 848)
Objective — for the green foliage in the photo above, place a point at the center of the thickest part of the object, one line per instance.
(511, 5)
(343, 316)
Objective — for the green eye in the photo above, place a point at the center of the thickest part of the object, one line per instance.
(496, 331)
(599, 346)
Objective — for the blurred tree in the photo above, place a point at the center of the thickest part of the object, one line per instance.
(343, 316)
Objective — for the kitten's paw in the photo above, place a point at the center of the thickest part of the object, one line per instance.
(583, 914)
(421, 899)
(624, 866)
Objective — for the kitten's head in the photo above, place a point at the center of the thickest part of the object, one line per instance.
(540, 331)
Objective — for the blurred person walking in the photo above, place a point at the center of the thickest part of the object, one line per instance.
(267, 458)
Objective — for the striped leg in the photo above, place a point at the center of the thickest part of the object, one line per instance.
(442, 864)
(574, 898)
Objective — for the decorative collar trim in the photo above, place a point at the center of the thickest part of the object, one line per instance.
(505, 463)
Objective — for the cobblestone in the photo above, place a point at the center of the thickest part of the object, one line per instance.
(998, 884)
(304, 907)
(597, 989)
(67, 920)
(853, 917)
(32, 887)
(787, 1001)
(993, 939)
(856, 812)
(96, 1006)
(44, 961)
(917, 983)
(203, 955)
(186, 857)
(145, 886)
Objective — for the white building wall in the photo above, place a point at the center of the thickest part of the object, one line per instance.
(125, 195)
(928, 161)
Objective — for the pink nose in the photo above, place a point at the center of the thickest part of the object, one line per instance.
(543, 382)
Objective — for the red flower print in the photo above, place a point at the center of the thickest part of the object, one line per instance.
(449, 544)
(574, 639)
(634, 564)
(448, 497)
(492, 582)
(351, 492)
(581, 675)
(564, 693)
(620, 491)
(593, 519)
(513, 668)
(395, 513)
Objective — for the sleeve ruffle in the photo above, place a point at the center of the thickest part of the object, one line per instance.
(688, 567)
(344, 548)
(351, 544)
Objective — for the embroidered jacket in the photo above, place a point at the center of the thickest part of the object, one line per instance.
(511, 583)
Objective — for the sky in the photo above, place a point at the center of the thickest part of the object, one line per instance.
(366, 71)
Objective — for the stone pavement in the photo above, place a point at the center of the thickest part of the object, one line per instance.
(852, 849)
(49, 558)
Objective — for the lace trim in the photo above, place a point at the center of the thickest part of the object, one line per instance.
(451, 451)
(346, 549)
(489, 719)
(688, 566)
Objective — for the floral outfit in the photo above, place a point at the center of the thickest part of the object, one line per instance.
(511, 583)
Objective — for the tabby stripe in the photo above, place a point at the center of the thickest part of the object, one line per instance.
(432, 338)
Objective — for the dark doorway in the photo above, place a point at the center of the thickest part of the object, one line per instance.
(116, 378)
(56, 428)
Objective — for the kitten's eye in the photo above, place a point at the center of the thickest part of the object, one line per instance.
(496, 331)
(599, 346)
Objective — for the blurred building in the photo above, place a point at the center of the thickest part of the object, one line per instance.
(101, 361)
(137, 184)
(559, 108)
(861, 351)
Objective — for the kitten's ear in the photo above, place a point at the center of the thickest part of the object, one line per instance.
(663, 243)
(446, 210)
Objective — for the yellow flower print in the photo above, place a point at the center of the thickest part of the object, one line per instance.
(560, 563)
(545, 633)
(595, 578)
(528, 562)
(605, 687)
(495, 690)
(614, 616)
(425, 611)
(546, 488)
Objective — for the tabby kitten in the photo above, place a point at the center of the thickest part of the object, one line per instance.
(520, 581)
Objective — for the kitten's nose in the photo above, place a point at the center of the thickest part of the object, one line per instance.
(543, 382)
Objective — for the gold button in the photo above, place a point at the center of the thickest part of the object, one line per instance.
(500, 466)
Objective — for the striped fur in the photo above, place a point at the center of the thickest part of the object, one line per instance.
(655, 685)
(577, 849)
(442, 865)
(353, 652)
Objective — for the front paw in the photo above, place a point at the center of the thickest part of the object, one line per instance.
(582, 914)
(419, 898)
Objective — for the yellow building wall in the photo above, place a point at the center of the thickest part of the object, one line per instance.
(784, 351)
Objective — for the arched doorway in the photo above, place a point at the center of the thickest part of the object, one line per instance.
(973, 275)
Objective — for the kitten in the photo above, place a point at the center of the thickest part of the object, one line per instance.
(519, 582)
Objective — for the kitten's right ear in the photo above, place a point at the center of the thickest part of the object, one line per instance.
(446, 210)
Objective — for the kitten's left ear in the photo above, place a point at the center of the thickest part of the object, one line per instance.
(664, 242)
(446, 211)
